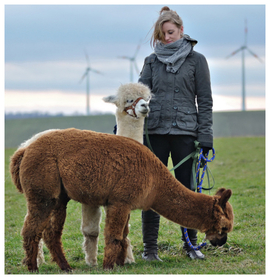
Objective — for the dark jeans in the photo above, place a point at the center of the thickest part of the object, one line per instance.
(179, 147)
(164, 145)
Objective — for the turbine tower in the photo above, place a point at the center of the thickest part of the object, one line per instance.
(133, 63)
(86, 75)
(243, 48)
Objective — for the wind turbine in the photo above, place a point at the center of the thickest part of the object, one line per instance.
(133, 63)
(86, 75)
(243, 48)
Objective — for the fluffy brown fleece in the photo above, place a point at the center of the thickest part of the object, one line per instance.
(105, 170)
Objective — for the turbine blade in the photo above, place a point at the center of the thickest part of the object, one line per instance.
(234, 52)
(96, 71)
(137, 50)
(87, 58)
(246, 32)
(82, 78)
(124, 57)
(255, 55)
(136, 67)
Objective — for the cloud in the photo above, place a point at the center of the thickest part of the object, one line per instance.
(42, 31)
(66, 75)
(55, 102)
(45, 46)
(227, 103)
(71, 103)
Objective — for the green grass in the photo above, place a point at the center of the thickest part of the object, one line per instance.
(239, 165)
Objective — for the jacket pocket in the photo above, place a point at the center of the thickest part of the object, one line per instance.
(187, 118)
(154, 116)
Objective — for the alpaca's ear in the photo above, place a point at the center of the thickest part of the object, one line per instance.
(220, 191)
(226, 194)
(110, 99)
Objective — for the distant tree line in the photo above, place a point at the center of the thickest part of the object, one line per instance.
(38, 114)
(35, 114)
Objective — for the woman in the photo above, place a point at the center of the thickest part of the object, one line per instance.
(180, 111)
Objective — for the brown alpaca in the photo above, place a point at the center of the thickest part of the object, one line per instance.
(132, 102)
(105, 170)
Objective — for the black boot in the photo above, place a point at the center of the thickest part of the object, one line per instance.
(150, 227)
(193, 254)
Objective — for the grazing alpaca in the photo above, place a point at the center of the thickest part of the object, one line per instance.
(132, 102)
(105, 170)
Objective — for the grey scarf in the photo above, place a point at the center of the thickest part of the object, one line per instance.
(173, 54)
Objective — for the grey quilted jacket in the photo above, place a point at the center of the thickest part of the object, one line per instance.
(182, 102)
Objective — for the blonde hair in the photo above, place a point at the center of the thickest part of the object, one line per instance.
(165, 15)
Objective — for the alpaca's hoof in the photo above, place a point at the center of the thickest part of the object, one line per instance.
(91, 262)
(68, 270)
(65, 267)
(108, 266)
(129, 257)
(129, 260)
(32, 269)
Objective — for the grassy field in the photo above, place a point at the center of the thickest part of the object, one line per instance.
(239, 165)
(225, 124)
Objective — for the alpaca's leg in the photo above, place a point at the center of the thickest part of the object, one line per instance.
(124, 243)
(40, 256)
(129, 258)
(91, 217)
(35, 222)
(115, 227)
(53, 232)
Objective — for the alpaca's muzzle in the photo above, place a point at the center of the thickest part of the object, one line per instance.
(217, 240)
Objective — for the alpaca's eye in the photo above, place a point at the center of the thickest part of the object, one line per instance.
(129, 101)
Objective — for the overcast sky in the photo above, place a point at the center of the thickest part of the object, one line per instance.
(45, 48)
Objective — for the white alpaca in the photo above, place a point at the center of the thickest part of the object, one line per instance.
(132, 102)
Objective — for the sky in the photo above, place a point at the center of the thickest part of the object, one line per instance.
(46, 49)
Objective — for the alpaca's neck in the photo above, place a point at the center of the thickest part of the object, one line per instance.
(130, 127)
(181, 205)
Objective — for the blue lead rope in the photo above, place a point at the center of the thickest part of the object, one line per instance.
(201, 157)
(199, 190)
(190, 244)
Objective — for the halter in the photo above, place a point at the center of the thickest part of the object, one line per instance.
(132, 107)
